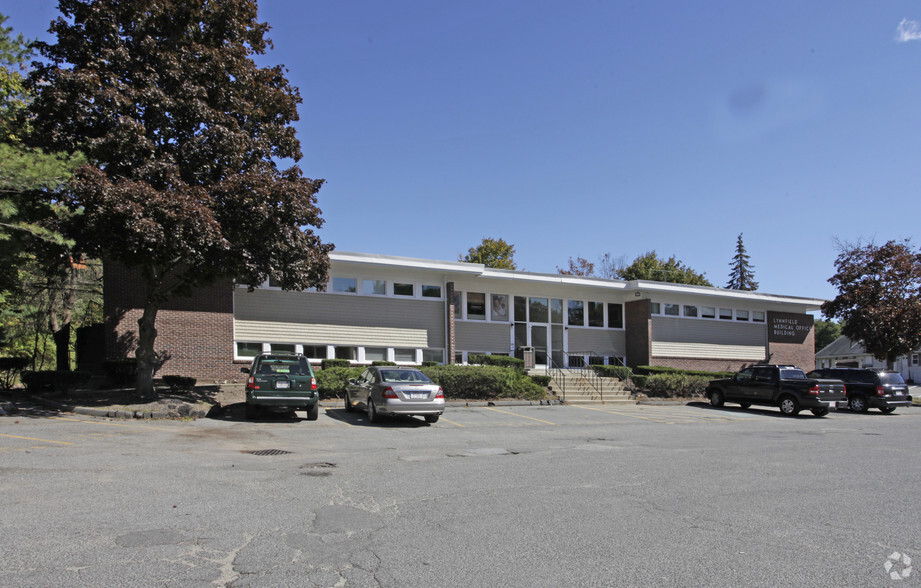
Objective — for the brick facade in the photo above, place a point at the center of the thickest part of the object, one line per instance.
(801, 355)
(707, 365)
(194, 332)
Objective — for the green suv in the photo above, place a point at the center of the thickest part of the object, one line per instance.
(281, 382)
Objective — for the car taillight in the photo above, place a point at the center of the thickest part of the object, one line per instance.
(880, 391)
(251, 383)
(440, 394)
(313, 383)
(814, 389)
(389, 393)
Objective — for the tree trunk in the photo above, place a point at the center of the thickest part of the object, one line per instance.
(147, 334)
(62, 348)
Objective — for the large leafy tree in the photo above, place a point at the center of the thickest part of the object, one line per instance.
(184, 135)
(578, 267)
(825, 333)
(650, 266)
(495, 253)
(879, 297)
(741, 275)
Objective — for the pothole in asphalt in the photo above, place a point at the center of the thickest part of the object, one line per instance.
(483, 451)
(318, 469)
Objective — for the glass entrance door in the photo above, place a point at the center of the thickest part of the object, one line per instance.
(539, 343)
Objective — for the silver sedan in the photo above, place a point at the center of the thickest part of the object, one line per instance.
(391, 390)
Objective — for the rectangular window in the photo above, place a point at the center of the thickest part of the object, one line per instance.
(671, 309)
(690, 311)
(726, 314)
(282, 348)
(708, 312)
(758, 316)
(596, 314)
(476, 306)
(431, 291)
(249, 349)
(404, 355)
(436, 355)
(315, 351)
(741, 315)
(402, 289)
(539, 309)
(350, 353)
(615, 316)
(375, 287)
(556, 311)
(499, 308)
(654, 308)
(521, 309)
(576, 313)
(914, 359)
(375, 354)
(346, 285)
(457, 304)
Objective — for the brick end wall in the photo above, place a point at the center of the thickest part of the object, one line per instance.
(801, 355)
(706, 365)
(196, 332)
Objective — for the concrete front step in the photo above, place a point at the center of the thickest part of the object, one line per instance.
(618, 400)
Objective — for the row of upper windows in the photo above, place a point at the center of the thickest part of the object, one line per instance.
(246, 350)
(536, 309)
(377, 288)
(706, 312)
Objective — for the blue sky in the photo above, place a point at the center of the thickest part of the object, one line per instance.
(580, 128)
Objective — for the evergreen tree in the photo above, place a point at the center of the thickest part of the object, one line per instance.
(741, 277)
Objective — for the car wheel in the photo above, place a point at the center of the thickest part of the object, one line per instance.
(887, 409)
(745, 404)
(348, 403)
(716, 398)
(820, 412)
(789, 406)
(313, 412)
(431, 418)
(858, 404)
(372, 412)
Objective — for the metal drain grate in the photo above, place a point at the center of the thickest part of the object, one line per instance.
(268, 452)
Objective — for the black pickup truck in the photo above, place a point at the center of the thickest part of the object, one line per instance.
(784, 386)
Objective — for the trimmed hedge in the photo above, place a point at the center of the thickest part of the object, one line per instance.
(59, 381)
(676, 385)
(484, 382)
(543, 381)
(613, 371)
(652, 370)
(335, 363)
(383, 363)
(496, 360)
(331, 381)
(179, 383)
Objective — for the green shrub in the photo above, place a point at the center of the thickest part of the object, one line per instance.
(335, 363)
(179, 383)
(484, 382)
(10, 367)
(383, 363)
(541, 380)
(58, 381)
(639, 382)
(651, 370)
(497, 360)
(332, 381)
(676, 385)
(613, 371)
(429, 363)
(121, 372)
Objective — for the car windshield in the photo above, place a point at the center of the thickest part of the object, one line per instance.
(792, 374)
(890, 378)
(291, 367)
(405, 376)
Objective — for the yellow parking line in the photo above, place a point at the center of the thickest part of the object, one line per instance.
(633, 416)
(520, 415)
(106, 424)
(34, 439)
(452, 422)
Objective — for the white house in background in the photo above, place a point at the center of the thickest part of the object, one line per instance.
(846, 353)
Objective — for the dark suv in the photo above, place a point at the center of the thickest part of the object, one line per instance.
(869, 388)
(281, 382)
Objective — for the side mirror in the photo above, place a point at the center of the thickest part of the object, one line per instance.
(244, 370)
(352, 381)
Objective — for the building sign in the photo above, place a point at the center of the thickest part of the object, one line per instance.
(785, 327)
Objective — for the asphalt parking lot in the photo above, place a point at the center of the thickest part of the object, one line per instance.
(618, 495)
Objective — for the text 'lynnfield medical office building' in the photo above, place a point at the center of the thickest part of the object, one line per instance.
(406, 310)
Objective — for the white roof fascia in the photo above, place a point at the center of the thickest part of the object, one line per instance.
(553, 279)
(460, 267)
(723, 293)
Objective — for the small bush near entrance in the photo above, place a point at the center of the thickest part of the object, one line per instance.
(497, 360)
(58, 381)
(470, 382)
(383, 363)
(613, 371)
(543, 381)
(675, 385)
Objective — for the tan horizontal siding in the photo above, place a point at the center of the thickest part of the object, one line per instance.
(706, 351)
(603, 341)
(337, 319)
(678, 330)
(492, 337)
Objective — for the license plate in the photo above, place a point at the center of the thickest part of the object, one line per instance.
(418, 395)
(282, 384)
(832, 404)
(899, 393)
